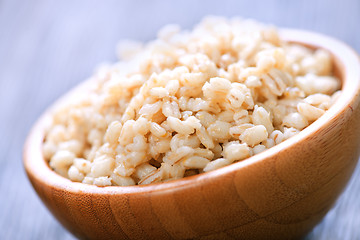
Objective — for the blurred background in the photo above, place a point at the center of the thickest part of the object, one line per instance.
(48, 46)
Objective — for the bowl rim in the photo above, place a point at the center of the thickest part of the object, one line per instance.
(37, 167)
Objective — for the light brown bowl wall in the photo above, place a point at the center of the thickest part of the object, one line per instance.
(281, 193)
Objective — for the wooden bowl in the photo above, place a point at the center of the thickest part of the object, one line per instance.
(281, 193)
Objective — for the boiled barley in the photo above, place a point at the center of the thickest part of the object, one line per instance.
(189, 102)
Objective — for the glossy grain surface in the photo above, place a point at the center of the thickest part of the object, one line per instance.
(46, 47)
(280, 193)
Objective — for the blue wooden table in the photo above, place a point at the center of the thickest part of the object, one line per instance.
(48, 46)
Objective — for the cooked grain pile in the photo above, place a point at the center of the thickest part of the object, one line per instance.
(189, 102)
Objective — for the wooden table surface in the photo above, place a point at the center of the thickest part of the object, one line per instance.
(48, 46)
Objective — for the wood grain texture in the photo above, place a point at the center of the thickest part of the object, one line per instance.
(46, 47)
(281, 193)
